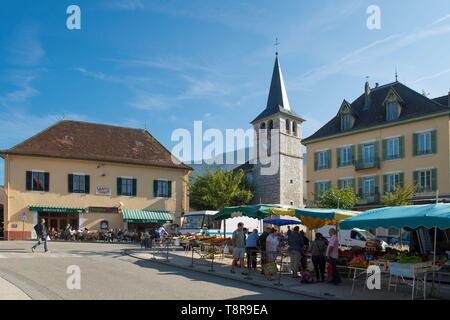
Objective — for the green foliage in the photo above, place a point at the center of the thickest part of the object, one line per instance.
(336, 198)
(218, 189)
(399, 197)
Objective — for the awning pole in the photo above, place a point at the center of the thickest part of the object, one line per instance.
(434, 260)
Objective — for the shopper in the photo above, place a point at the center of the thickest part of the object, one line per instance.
(238, 240)
(251, 246)
(332, 254)
(272, 244)
(289, 231)
(262, 247)
(304, 260)
(318, 249)
(42, 234)
(295, 242)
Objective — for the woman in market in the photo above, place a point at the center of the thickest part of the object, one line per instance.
(272, 244)
(318, 250)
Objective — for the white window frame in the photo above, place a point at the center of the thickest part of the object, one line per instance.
(126, 179)
(371, 186)
(43, 180)
(426, 140)
(346, 150)
(392, 105)
(322, 159)
(393, 148)
(74, 190)
(427, 176)
(369, 146)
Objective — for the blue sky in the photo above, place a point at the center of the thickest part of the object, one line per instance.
(164, 64)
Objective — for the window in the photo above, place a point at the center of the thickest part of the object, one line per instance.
(346, 121)
(288, 126)
(294, 128)
(126, 186)
(321, 187)
(162, 188)
(78, 183)
(368, 153)
(345, 156)
(346, 183)
(424, 143)
(393, 148)
(425, 180)
(392, 111)
(37, 181)
(392, 180)
(368, 187)
(322, 160)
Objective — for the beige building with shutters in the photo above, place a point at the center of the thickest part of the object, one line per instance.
(389, 136)
(89, 175)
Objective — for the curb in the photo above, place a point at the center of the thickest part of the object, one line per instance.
(306, 294)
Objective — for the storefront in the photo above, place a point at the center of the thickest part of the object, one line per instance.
(57, 218)
(144, 220)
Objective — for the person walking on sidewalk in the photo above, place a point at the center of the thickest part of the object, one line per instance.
(318, 249)
(252, 249)
(332, 255)
(295, 242)
(42, 234)
(238, 240)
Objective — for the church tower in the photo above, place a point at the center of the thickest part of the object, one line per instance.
(278, 133)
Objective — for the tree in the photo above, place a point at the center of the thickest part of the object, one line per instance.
(399, 196)
(218, 189)
(336, 198)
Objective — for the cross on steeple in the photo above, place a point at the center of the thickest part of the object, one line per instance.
(276, 46)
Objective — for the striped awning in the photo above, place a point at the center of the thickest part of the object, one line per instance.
(146, 216)
(57, 209)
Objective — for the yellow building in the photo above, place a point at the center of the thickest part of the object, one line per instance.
(91, 176)
(389, 136)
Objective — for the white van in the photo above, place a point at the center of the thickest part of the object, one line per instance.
(195, 221)
(351, 238)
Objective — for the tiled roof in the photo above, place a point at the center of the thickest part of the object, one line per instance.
(97, 142)
(415, 105)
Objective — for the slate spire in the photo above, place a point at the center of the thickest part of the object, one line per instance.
(277, 94)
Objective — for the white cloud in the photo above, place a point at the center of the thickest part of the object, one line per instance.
(429, 77)
(26, 48)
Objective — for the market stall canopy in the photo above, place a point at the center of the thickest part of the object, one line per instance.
(427, 216)
(53, 209)
(282, 222)
(314, 218)
(257, 211)
(146, 216)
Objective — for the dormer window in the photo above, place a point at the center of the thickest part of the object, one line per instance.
(392, 111)
(346, 121)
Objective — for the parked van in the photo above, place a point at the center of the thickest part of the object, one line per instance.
(353, 238)
(195, 221)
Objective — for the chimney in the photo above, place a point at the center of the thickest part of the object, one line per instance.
(367, 95)
(376, 84)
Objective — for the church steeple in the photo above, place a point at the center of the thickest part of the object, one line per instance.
(277, 94)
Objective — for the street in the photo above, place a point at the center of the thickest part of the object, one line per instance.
(108, 274)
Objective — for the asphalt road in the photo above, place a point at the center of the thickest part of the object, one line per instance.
(108, 274)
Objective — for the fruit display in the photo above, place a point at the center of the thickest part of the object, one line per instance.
(359, 262)
(389, 257)
(409, 259)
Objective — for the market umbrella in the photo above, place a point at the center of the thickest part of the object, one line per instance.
(315, 218)
(427, 216)
(282, 222)
(257, 211)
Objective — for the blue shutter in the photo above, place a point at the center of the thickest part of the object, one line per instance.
(134, 188)
(434, 141)
(155, 188)
(46, 181)
(70, 183)
(29, 181)
(433, 179)
(87, 184)
(170, 189)
(119, 186)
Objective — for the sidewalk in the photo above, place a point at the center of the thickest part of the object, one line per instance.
(221, 268)
(10, 292)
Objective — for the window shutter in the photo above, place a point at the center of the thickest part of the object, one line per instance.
(376, 151)
(87, 184)
(352, 184)
(338, 157)
(316, 161)
(134, 191)
(70, 183)
(385, 183)
(416, 180)
(384, 148)
(434, 141)
(415, 143)
(339, 184)
(401, 146)
(316, 190)
(28, 181)
(119, 186)
(360, 187)
(401, 179)
(170, 189)
(433, 179)
(46, 181)
(155, 188)
(328, 159)
(376, 184)
(360, 152)
(352, 156)
(328, 185)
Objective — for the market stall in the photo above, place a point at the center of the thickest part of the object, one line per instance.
(401, 264)
(282, 222)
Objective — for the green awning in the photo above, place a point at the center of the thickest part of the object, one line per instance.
(57, 209)
(146, 216)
